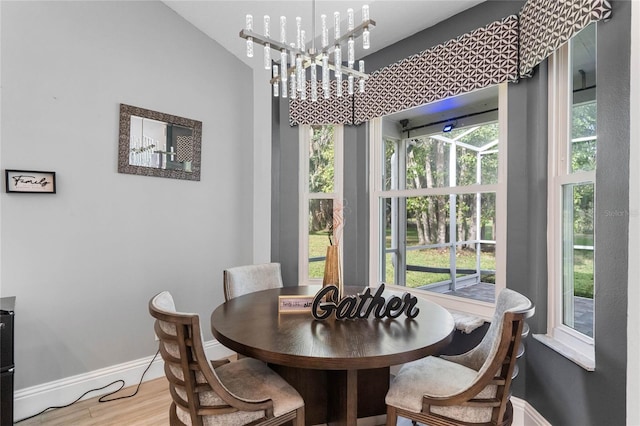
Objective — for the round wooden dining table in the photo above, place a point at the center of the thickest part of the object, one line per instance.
(340, 367)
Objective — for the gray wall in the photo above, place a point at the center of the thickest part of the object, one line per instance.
(560, 390)
(563, 392)
(286, 198)
(84, 262)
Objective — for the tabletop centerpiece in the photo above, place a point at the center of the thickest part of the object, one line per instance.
(332, 265)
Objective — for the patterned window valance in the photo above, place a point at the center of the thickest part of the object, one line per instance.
(482, 58)
(322, 111)
(502, 51)
(545, 25)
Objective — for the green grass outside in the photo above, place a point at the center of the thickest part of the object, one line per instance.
(583, 262)
(583, 273)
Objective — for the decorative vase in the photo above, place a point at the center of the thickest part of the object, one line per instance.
(332, 274)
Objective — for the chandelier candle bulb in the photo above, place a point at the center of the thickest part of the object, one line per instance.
(325, 76)
(267, 56)
(337, 59)
(350, 84)
(284, 73)
(303, 88)
(293, 91)
(249, 47)
(267, 21)
(276, 87)
(339, 85)
(336, 25)
(350, 20)
(299, 72)
(365, 13)
(351, 55)
(325, 31)
(267, 46)
(283, 64)
(292, 58)
(314, 83)
(366, 43)
(249, 27)
(299, 43)
(283, 29)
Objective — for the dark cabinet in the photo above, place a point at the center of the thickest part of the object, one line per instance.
(7, 305)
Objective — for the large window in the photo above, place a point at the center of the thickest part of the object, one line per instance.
(435, 206)
(572, 192)
(321, 200)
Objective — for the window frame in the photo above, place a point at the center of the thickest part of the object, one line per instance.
(304, 135)
(565, 340)
(475, 307)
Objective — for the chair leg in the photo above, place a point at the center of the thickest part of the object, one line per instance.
(299, 420)
(392, 416)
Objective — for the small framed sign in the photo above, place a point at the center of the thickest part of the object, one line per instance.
(295, 304)
(21, 181)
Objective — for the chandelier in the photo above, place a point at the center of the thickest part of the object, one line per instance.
(289, 79)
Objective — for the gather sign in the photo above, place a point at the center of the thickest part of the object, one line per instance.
(327, 303)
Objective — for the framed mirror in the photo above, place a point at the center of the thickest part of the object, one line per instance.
(153, 143)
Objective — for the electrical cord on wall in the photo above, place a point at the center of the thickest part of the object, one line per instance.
(103, 397)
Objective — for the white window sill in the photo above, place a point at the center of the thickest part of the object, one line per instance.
(584, 360)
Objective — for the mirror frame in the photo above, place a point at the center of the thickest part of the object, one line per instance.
(126, 111)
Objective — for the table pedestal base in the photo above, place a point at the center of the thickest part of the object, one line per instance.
(338, 397)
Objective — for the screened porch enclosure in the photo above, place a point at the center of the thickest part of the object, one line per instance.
(440, 232)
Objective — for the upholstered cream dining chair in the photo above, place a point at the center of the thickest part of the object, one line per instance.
(249, 278)
(472, 388)
(221, 393)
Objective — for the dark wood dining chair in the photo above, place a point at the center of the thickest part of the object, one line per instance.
(249, 278)
(468, 389)
(243, 392)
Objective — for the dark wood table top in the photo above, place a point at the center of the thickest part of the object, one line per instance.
(251, 325)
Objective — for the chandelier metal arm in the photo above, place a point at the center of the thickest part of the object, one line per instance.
(355, 33)
(348, 71)
(274, 44)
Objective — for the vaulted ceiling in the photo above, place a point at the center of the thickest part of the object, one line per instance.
(222, 20)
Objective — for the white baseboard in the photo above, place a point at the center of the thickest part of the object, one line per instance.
(29, 401)
(32, 400)
(525, 415)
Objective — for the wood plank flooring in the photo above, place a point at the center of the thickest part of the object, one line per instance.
(150, 407)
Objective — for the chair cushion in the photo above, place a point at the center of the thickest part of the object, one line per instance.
(436, 377)
(249, 278)
(250, 380)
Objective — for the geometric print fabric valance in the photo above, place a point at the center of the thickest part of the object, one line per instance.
(482, 58)
(545, 25)
(503, 51)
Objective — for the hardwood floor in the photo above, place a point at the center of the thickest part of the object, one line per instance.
(150, 407)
